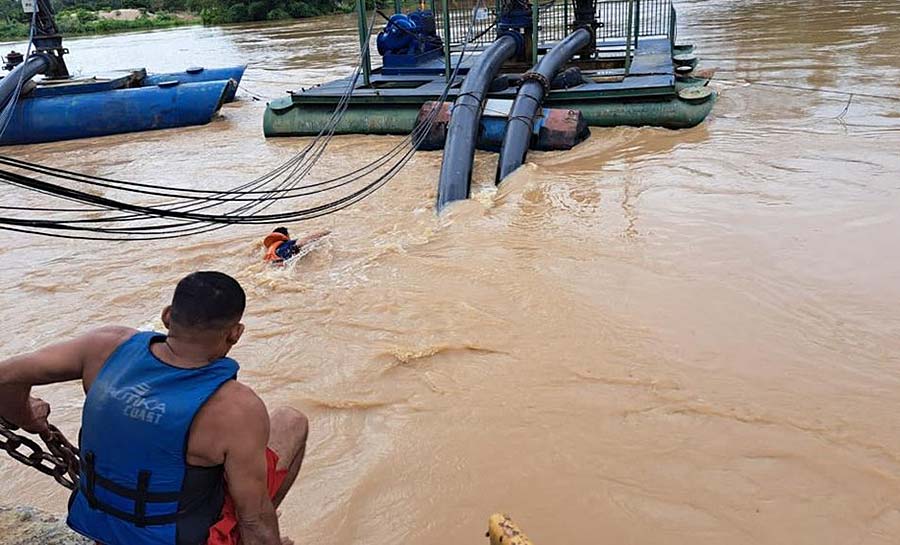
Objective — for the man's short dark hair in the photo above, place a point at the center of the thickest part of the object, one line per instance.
(282, 230)
(208, 300)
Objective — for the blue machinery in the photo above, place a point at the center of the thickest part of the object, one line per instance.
(409, 40)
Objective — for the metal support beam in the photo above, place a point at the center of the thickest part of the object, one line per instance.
(535, 26)
(47, 39)
(363, 41)
(673, 24)
(637, 21)
(445, 6)
(628, 36)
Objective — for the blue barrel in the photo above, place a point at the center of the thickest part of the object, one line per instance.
(65, 117)
(197, 74)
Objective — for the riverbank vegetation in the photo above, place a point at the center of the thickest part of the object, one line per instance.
(82, 21)
(103, 16)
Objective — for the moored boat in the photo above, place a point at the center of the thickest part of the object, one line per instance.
(41, 102)
(98, 108)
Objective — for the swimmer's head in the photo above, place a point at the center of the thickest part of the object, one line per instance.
(282, 230)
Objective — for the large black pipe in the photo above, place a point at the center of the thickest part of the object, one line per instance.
(462, 131)
(33, 65)
(529, 99)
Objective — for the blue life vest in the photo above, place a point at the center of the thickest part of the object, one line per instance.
(136, 486)
(285, 250)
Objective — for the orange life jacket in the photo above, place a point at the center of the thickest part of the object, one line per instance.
(271, 243)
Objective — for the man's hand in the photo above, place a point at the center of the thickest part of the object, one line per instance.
(81, 357)
(24, 411)
(35, 417)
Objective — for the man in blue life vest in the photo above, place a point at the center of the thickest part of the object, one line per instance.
(279, 246)
(174, 450)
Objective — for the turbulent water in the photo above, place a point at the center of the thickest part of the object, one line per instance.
(658, 337)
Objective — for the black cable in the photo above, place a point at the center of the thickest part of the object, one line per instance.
(186, 214)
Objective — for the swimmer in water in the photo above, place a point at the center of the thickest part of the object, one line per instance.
(280, 247)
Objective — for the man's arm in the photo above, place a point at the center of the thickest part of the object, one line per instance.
(58, 362)
(311, 238)
(245, 470)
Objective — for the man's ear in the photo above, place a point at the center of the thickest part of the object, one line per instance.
(234, 334)
(167, 316)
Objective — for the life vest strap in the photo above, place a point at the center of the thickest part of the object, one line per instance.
(156, 520)
(141, 496)
(140, 503)
(90, 480)
(135, 495)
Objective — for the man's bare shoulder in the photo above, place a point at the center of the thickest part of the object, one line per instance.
(100, 343)
(237, 403)
(97, 345)
(110, 334)
(233, 418)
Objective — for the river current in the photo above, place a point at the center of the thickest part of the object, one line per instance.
(660, 337)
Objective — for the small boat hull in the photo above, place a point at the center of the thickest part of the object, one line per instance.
(146, 108)
(198, 74)
(284, 118)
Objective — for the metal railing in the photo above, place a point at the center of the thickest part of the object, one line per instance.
(648, 18)
(623, 23)
(463, 14)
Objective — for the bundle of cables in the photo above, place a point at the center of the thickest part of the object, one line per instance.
(189, 211)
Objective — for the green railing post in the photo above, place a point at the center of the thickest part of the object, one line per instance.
(628, 36)
(398, 6)
(363, 43)
(637, 21)
(535, 24)
(673, 24)
(445, 5)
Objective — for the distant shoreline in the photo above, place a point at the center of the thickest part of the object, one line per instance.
(84, 23)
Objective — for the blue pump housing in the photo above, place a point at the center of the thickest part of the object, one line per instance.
(409, 39)
(516, 20)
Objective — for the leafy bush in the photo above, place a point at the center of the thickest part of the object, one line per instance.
(237, 13)
(278, 14)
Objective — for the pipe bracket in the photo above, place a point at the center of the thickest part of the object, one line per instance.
(538, 77)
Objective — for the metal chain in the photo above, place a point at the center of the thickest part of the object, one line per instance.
(59, 461)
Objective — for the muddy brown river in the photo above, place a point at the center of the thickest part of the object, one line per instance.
(656, 338)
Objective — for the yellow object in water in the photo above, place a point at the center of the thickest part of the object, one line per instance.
(503, 531)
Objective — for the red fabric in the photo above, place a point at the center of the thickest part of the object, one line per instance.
(226, 532)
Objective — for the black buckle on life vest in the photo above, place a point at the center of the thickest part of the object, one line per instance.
(90, 473)
(140, 502)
